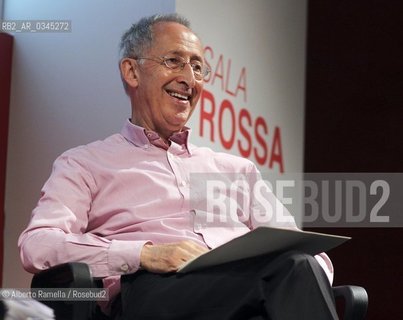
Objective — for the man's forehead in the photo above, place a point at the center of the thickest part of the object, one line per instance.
(175, 37)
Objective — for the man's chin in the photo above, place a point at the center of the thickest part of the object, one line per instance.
(180, 120)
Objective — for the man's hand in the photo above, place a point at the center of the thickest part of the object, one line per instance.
(162, 258)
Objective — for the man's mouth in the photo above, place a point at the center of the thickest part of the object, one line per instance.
(183, 97)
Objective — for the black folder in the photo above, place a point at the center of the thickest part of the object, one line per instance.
(265, 240)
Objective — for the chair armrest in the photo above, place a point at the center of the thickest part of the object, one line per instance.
(356, 301)
(67, 275)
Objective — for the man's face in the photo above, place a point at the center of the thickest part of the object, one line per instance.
(165, 99)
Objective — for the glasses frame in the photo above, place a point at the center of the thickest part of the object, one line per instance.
(163, 61)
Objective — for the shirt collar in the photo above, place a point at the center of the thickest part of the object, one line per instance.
(142, 138)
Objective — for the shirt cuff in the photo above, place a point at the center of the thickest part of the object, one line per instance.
(326, 265)
(124, 256)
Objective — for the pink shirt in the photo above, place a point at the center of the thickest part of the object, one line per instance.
(105, 200)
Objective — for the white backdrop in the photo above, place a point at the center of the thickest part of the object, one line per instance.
(256, 50)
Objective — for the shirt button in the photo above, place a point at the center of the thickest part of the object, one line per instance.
(183, 183)
(124, 267)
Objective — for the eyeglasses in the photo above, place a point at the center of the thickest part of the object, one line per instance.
(177, 63)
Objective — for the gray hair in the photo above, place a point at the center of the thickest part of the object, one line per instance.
(140, 35)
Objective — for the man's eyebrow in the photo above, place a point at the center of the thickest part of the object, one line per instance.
(182, 54)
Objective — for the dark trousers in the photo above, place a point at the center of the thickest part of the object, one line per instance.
(287, 286)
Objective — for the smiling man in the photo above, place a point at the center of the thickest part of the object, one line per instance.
(165, 86)
(122, 205)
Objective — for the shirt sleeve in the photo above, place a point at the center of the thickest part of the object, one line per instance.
(58, 229)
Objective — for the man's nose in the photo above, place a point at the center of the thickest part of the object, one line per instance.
(187, 75)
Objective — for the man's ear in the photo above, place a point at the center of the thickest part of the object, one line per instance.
(129, 72)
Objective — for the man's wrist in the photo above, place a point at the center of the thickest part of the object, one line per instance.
(144, 254)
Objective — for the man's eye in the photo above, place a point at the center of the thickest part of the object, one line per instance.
(172, 61)
(197, 67)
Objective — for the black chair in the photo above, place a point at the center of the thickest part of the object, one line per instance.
(78, 275)
(67, 275)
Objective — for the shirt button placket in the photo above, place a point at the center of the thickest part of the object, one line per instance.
(175, 163)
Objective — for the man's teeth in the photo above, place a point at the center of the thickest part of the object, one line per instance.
(179, 96)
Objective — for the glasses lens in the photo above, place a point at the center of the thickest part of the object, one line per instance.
(178, 63)
(206, 72)
(173, 63)
(197, 70)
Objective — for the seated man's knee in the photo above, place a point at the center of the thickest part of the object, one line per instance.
(296, 260)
